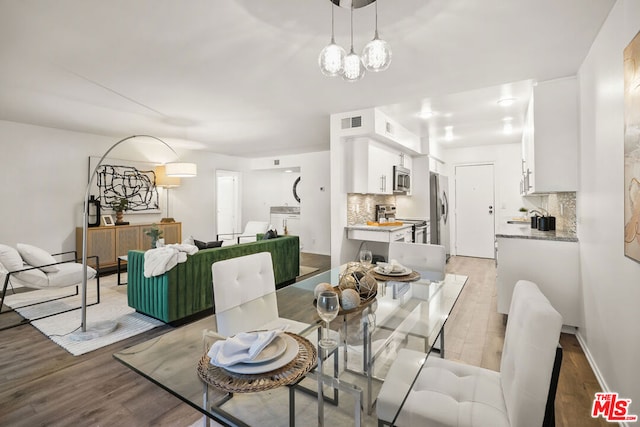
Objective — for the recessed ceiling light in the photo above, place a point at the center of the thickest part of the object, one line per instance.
(505, 102)
(507, 119)
(448, 133)
(427, 114)
(507, 128)
(288, 171)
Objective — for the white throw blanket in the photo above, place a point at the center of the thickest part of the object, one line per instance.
(160, 260)
(242, 347)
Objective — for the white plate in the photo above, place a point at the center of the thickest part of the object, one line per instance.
(258, 368)
(271, 351)
(404, 272)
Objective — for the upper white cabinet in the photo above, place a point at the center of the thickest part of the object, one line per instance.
(370, 166)
(550, 139)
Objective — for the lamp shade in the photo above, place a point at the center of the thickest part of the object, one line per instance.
(164, 181)
(184, 170)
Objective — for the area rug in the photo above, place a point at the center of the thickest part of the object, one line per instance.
(304, 270)
(59, 328)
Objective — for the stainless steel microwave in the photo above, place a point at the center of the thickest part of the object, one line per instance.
(401, 179)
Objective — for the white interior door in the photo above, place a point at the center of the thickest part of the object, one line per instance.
(475, 207)
(228, 202)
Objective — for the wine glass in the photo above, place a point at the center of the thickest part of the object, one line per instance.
(365, 258)
(328, 307)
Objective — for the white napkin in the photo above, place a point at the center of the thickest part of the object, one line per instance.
(393, 267)
(242, 347)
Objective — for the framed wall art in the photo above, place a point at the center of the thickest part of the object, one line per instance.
(632, 149)
(134, 181)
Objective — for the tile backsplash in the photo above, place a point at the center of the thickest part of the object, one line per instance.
(560, 205)
(563, 207)
(362, 207)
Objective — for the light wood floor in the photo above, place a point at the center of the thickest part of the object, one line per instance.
(42, 384)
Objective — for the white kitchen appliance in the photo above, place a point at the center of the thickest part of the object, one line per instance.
(439, 209)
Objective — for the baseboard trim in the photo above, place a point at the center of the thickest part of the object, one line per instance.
(594, 368)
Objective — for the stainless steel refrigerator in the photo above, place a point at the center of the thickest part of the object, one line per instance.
(439, 210)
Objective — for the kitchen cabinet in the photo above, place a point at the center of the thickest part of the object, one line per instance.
(551, 264)
(550, 138)
(108, 243)
(370, 167)
(380, 233)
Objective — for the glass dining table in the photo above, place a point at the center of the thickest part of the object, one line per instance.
(403, 314)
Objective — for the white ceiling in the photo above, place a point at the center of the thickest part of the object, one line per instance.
(240, 77)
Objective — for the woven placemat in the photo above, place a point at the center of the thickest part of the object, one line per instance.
(248, 383)
(411, 277)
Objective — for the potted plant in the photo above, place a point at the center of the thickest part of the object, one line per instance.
(524, 212)
(155, 233)
(119, 206)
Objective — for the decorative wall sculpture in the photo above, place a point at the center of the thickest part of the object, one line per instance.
(632, 149)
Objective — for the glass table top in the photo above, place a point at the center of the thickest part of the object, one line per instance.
(404, 315)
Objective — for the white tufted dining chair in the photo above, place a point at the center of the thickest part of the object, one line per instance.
(244, 293)
(448, 393)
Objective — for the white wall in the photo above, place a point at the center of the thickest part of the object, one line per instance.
(507, 172)
(610, 282)
(44, 173)
(314, 192)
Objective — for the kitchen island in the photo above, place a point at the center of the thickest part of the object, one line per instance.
(380, 233)
(551, 259)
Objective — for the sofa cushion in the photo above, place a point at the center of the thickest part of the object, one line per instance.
(10, 258)
(34, 278)
(35, 256)
(69, 272)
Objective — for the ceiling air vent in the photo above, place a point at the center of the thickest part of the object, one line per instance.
(352, 122)
(276, 162)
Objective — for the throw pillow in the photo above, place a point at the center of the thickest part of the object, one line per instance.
(207, 245)
(36, 257)
(10, 258)
(270, 234)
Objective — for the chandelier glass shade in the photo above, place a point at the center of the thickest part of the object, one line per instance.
(376, 55)
(331, 59)
(353, 69)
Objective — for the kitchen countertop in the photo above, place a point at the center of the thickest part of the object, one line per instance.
(522, 231)
(385, 228)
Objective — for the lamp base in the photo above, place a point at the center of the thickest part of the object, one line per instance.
(167, 220)
(94, 330)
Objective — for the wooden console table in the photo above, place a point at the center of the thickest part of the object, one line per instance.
(111, 242)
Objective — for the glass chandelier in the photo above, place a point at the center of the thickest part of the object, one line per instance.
(376, 55)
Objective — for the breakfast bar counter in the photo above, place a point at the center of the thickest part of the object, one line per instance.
(522, 231)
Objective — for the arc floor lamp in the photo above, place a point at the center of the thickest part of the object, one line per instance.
(176, 169)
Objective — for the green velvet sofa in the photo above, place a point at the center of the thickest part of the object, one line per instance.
(186, 291)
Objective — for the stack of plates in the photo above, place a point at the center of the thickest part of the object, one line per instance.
(399, 271)
(282, 350)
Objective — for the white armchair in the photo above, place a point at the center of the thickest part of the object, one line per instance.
(248, 235)
(447, 393)
(35, 268)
